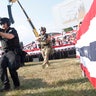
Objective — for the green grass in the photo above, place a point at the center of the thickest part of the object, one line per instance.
(62, 78)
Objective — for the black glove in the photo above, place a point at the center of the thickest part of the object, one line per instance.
(1, 30)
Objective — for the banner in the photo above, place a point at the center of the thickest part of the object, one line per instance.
(86, 44)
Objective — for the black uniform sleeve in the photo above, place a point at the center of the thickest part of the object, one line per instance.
(1, 30)
(0, 38)
(12, 31)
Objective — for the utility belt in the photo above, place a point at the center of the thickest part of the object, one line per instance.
(43, 45)
(16, 50)
(7, 50)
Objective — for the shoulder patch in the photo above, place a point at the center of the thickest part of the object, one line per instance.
(10, 30)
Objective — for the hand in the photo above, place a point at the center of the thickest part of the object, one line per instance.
(1, 30)
(38, 39)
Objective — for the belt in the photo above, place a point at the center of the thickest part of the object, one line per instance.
(7, 50)
(45, 44)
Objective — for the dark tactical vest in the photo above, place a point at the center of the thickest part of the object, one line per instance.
(10, 43)
(43, 41)
(13, 45)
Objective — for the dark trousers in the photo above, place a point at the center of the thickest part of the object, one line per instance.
(9, 60)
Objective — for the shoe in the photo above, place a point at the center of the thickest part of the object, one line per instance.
(47, 65)
(16, 87)
(5, 89)
(43, 66)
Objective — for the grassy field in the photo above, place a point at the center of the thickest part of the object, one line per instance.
(62, 78)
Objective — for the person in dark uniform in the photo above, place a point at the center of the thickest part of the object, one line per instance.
(10, 58)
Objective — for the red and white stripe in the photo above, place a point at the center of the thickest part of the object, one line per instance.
(86, 35)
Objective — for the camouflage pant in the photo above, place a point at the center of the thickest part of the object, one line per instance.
(45, 53)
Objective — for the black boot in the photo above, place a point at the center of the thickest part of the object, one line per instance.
(5, 88)
(16, 87)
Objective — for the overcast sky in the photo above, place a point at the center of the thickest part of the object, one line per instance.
(39, 11)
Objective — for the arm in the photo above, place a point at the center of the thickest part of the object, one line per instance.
(38, 38)
(6, 35)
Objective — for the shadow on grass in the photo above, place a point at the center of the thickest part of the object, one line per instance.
(33, 84)
(57, 92)
(72, 81)
(27, 84)
(53, 89)
(39, 83)
(31, 64)
(62, 92)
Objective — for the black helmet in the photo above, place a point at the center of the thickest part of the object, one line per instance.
(43, 29)
(5, 20)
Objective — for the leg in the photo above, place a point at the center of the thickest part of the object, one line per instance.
(46, 57)
(4, 74)
(4, 77)
(12, 62)
(43, 55)
(15, 78)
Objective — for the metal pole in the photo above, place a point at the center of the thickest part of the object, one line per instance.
(29, 20)
(26, 15)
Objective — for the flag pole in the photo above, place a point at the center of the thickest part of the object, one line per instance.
(29, 20)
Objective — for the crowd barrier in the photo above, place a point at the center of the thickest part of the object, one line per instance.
(62, 51)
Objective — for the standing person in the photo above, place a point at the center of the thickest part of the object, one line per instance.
(10, 58)
(45, 46)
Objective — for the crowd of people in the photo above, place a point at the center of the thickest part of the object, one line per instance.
(68, 38)
(57, 40)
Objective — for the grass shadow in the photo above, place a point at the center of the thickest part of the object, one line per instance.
(72, 81)
(33, 84)
(57, 92)
(39, 83)
(31, 64)
(62, 92)
(53, 89)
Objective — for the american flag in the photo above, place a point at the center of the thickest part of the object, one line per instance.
(86, 44)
